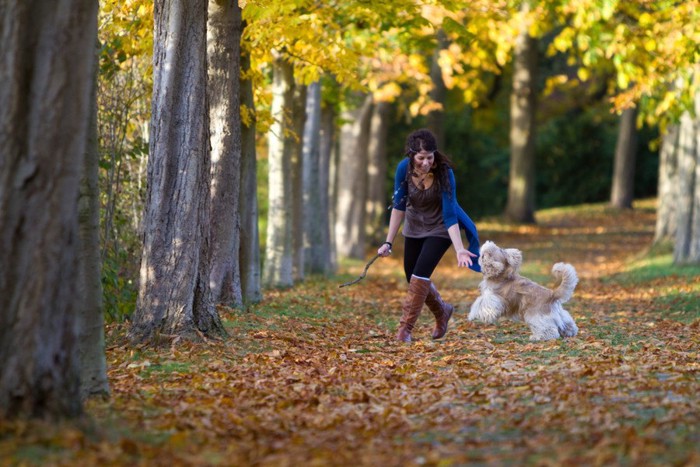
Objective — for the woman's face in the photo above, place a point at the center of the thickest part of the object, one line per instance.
(423, 161)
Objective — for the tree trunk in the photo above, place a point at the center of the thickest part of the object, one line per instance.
(436, 118)
(666, 212)
(314, 225)
(91, 337)
(523, 101)
(687, 247)
(327, 186)
(46, 66)
(174, 294)
(249, 233)
(296, 144)
(622, 194)
(223, 53)
(352, 181)
(278, 250)
(377, 168)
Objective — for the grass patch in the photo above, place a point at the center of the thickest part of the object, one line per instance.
(676, 287)
(653, 267)
(36, 454)
(508, 337)
(617, 336)
(167, 368)
(538, 272)
(681, 305)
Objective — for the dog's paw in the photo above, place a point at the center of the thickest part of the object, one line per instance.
(474, 315)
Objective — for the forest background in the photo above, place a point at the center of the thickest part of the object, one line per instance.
(186, 109)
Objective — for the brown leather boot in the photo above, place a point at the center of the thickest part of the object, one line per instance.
(441, 310)
(412, 305)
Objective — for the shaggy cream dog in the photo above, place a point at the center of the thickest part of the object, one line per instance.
(506, 293)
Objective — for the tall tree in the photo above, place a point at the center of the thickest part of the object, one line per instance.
(224, 50)
(295, 140)
(687, 246)
(666, 212)
(622, 193)
(250, 265)
(520, 206)
(91, 337)
(315, 219)
(351, 178)
(327, 187)
(377, 171)
(278, 266)
(46, 70)
(174, 293)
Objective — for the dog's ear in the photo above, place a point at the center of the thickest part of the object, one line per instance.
(514, 258)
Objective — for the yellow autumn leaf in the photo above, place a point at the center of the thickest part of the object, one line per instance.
(562, 43)
(645, 20)
(388, 92)
(623, 80)
(583, 73)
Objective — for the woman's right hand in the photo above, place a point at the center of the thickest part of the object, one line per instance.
(385, 249)
(464, 258)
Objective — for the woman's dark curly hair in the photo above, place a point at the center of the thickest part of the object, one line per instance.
(424, 140)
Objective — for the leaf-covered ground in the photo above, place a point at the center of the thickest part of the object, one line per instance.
(312, 376)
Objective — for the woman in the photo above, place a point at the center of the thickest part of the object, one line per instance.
(425, 198)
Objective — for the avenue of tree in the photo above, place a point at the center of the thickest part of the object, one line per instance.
(157, 131)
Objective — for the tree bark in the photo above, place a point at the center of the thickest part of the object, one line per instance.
(278, 250)
(352, 181)
(249, 233)
(666, 213)
(223, 49)
(520, 206)
(377, 172)
(46, 66)
(91, 337)
(174, 294)
(622, 194)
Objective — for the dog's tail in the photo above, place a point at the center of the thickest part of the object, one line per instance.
(567, 279)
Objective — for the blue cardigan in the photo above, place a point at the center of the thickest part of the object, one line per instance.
(452, 213)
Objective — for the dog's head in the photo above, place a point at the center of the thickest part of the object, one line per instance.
(497, 262)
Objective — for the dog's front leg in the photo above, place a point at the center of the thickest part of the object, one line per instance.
(475, 310)
(487, 308)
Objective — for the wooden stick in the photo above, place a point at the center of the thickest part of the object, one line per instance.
(364, 273)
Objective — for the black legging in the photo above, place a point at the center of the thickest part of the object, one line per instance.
(422, 255)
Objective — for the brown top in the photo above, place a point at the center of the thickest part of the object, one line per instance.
(424, 213)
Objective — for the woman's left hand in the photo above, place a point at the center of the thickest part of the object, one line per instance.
(464, 258)
(385, 249)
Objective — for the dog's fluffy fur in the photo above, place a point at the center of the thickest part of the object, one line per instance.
(504, 292)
